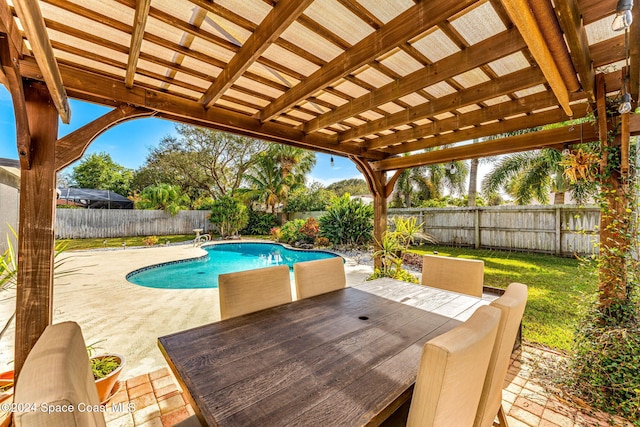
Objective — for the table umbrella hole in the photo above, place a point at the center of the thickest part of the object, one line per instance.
(363, 317)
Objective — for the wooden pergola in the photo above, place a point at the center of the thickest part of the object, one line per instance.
(378, 81)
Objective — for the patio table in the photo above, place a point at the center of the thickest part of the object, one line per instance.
(346, 358)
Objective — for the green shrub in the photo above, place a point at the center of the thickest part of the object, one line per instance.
(605, 364)
(290, 231)
(260, 223)
(347, 222)
(229, 215)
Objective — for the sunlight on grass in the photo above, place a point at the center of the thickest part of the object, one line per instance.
(558, 288)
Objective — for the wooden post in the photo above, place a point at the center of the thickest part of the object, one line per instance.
(381, 190)
(379, 216)
(558, 232)
(614, 220)
(37, 218)
(476, 226)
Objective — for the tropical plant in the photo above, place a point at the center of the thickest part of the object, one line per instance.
(347, 222)
(229, 215)
(166, 197)
(310, 230)
(103, 366)
(260, 223)
(533, 175)
(290, 231)
(429, 182)
(9, 270)
(266, 184)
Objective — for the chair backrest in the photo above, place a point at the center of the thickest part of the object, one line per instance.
(319, 277)
(57, 373)
(452, 371)
(453, 274)
(511, 304)
(253, 290)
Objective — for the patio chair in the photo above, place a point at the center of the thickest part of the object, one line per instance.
(511, 304)
(253, 290)
(452, 372)
(57, 372)
(465, 276)
(319, 277)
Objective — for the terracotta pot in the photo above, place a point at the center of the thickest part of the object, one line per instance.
(105, 385)
(6, 396)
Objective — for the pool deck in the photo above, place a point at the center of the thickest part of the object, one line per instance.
(125, 318)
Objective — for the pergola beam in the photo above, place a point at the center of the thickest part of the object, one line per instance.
(520, 14)
(275, 23)
(8, 26)
(483, 115)
(528, 141)
(137, 34)
(90, 86)
(491, 49)
(506, 84)
(570, 20)
(526, 122)
(410, 23)
(72, 146)
(33, 24)
(13, 82)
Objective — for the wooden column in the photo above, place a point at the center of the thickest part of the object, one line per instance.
(615, 221)
(381, 190)
(37, 218)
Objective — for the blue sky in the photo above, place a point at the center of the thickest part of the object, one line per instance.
(128, 143)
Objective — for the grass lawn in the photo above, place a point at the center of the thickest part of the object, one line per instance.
(558, 289)
(116, 242)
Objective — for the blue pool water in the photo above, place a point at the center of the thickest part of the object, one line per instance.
(222, 258)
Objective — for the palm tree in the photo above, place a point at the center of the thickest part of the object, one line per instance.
(163, 196)
(533, 175)
(266, 183)
(430, 182)
(293, 161)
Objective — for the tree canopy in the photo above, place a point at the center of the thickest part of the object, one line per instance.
(100, 172)
(203, 162)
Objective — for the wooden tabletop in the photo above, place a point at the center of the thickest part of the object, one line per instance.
(345, 358)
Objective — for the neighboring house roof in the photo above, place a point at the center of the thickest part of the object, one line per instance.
(95, 199)
(10, 172)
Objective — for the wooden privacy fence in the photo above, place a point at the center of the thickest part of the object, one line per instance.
(105, 223)
(557, 229)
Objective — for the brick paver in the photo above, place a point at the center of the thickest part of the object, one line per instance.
(159, 402)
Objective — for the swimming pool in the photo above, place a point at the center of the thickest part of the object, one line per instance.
(221, 258)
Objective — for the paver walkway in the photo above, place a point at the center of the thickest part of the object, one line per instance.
(159, 402)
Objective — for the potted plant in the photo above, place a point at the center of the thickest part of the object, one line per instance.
(106, 369)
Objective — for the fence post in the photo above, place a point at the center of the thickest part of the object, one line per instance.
(476, 226)
(558, 231)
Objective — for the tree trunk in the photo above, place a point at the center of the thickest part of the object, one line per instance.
(558, 198)
(473, 181)
(407, 200)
